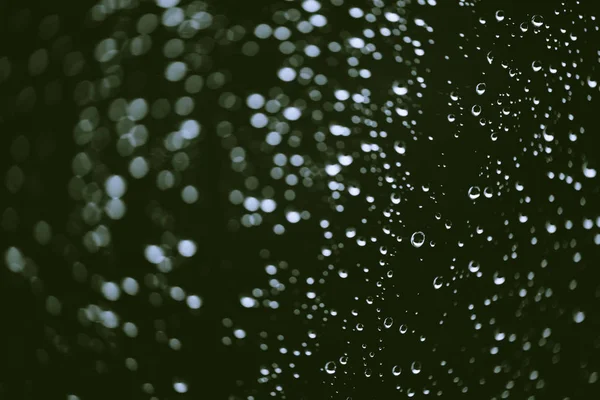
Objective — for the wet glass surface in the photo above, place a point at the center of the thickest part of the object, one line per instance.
(306, 199)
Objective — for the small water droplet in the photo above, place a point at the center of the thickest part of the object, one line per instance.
(473, 266)
(578, 317)
(524, 27)
(330, 367)
(415, 367)
(474, 192)
(480, 88)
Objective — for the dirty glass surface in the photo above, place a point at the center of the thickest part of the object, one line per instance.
(306, 199)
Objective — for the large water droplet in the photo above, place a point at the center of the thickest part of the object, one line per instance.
(537, 20)
(417, 239)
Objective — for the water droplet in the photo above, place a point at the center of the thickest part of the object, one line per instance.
(524, 27)
(473, 266)
(417, 239)
(537, 20)
(400, 147)
(499, 279)
(480, 88)
(330, 367)
(194, 302)
(248, 302)
(415, 367)
(311, 5)
(578, 317)
(588, 172)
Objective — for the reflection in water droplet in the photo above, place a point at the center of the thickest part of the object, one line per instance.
(537, 21)
(357, 43)
(400, 147)
(111, 291)
(524, 27)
